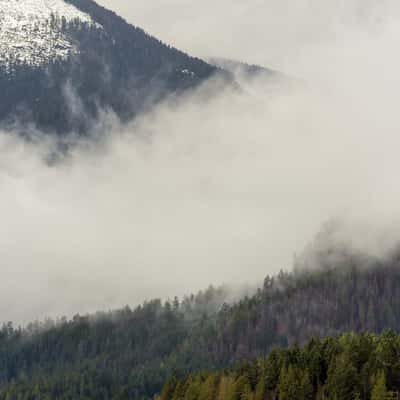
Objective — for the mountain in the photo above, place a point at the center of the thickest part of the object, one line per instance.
(63, 62)
(129, 354)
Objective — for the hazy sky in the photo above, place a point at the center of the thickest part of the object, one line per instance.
(275, 33)
(219, 191)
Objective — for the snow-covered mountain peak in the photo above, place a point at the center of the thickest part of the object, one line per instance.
(50, 49)
(27, 35)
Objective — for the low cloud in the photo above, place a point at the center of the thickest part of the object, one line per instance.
(223, 190)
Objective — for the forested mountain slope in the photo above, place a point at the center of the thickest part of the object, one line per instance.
(97, 356)
(132, 353)
(347, 367)
(62, 62)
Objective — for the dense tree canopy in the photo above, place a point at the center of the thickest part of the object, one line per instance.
(348, 367)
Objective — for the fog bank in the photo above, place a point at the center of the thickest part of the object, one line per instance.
(217, 191)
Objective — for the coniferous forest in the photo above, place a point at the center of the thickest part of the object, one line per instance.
(349, 366)
(130, 354)
(162, 183)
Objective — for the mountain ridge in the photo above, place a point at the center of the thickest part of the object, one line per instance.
(109, 64)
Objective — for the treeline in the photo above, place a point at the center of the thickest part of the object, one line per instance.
(98, 356)
(131, 353)
(349, 367)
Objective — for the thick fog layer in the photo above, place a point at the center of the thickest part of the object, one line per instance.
(271, 32)
(213, 191)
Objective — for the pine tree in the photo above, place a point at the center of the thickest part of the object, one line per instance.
(343, 380)
(242, 388)
(193, 390)
(226, 385)
(260, 390)
(209, 388)
(294, 384)
(169, 389)
(379, 390)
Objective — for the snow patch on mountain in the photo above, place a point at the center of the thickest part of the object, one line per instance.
(27, 35)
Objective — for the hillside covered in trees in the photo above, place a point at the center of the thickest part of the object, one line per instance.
(348, 367)
(129, 354)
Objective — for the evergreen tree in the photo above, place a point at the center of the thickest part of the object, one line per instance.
(294, 384)
(343, 380)
(379, 390)
(209, 388)
(260, 392)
